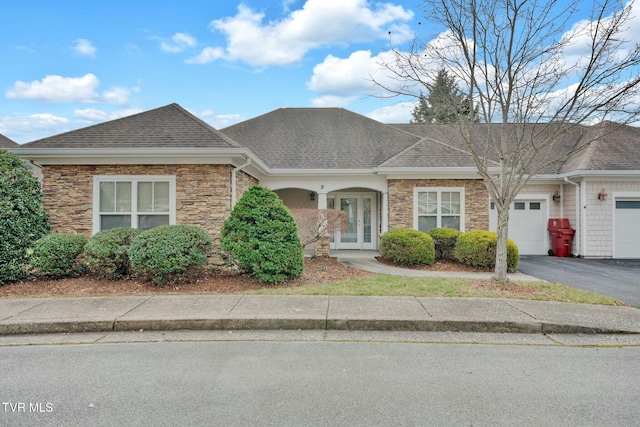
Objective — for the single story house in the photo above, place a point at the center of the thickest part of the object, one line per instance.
(166, 166)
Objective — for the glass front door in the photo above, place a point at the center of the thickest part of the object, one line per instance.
(360, 221)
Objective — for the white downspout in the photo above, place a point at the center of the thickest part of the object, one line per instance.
(578, 228)
(234, 180)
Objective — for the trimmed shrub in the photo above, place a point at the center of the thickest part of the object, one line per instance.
(106, 253)
(407, 247)
(23, 220)
(478, 249)
(445, 240)
(261, 237)
(167, 250)
(57, 255)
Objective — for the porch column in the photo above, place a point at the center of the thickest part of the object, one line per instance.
(384, 226)
(322, 245)
(322, 200)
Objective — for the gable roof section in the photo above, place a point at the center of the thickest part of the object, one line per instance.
(7, 143)
(428, 153)
(450, 135)
(165, 127)
(319, 138)
(616, 148)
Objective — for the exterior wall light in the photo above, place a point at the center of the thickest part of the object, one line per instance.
(602, 195)
(556, 197)
(312, 196)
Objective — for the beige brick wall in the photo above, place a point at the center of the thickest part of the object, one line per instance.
(203, 193)
(401, 201)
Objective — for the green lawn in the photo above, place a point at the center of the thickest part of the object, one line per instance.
(386, 285)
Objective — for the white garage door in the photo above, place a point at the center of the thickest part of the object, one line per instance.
(627, 229)
(527, 226)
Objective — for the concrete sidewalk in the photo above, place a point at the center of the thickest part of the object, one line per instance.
(252, 312)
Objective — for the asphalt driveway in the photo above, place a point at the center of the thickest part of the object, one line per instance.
(618, 278)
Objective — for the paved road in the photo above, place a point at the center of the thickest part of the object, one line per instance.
(619, 278)
(318, 384)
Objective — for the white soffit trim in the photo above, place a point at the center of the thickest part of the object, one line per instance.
(146, 156)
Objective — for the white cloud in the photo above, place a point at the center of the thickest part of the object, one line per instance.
(396, 113)
(96, 115)
(69, 89)
(208, 54)
(332, 101)
(85, 48)
(353, 76)
(25, 128)
(319, 23)
(57, 89)
(219, 121)
(181, 41)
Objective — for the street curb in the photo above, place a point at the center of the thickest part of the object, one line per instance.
(300, 324)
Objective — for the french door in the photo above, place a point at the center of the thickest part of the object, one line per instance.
(359, 209)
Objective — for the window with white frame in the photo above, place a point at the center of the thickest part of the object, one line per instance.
(139, 201)
(438, 207)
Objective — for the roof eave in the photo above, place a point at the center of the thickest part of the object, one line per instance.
(143, 156)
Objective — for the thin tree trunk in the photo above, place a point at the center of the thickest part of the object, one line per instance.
(500, 272)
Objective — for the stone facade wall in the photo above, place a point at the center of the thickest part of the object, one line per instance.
(203, 194)
(401, 201)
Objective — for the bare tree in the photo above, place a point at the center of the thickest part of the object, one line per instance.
(313, 224)
(537, 80)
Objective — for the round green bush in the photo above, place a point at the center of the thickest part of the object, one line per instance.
(23, 220)
(445, 240)
(261, 237)
(106, 253)
(57, 255)
(167, 250)
(478, 249)
(407, 247)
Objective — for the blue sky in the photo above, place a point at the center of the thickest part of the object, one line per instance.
(71, 64)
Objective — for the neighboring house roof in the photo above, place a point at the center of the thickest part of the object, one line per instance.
(320, 138)
(165, 127)
(7, 143)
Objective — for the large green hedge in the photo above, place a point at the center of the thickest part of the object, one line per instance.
(261, 237)
(407, 247)
(23, 220)
(478, 249)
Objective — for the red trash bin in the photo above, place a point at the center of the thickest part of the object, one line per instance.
(561, 236)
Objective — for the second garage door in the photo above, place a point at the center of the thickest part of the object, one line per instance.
(627, 228)
(527, 226)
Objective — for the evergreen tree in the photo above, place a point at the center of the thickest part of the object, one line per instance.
(445, 102)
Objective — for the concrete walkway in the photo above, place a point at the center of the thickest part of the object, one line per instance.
(253, 312)
(235, 312)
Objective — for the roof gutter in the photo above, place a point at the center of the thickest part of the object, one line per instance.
(234, 180)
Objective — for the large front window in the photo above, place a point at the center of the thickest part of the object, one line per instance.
(141, 202)
(438, 208)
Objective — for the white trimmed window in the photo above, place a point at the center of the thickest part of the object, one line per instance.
(438, 207)
(136, 201)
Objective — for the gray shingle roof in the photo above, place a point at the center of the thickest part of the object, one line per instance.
(450, 135)
(319, 138)
(617, 147)
(168, 126)
(7, 143)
